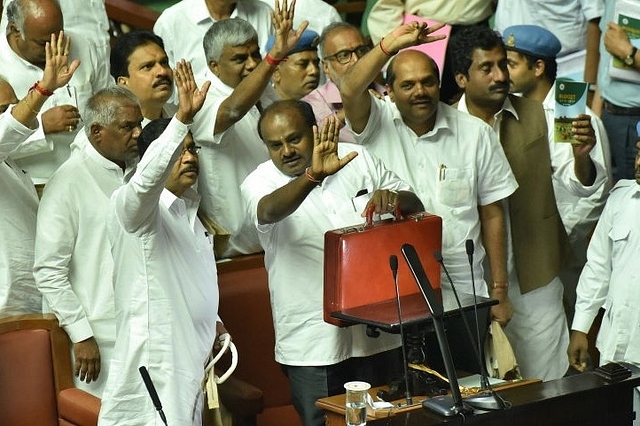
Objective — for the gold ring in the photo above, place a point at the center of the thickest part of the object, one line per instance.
(71, 128)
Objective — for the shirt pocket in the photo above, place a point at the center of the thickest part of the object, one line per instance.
(454, 188)
(619, 236)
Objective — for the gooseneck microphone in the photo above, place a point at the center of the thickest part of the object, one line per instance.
(446, 405)
(152, 392)
(393, 263)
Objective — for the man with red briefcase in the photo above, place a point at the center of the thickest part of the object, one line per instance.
(311, 185)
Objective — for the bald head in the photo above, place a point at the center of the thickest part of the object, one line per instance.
(411, 58)
(30, 25)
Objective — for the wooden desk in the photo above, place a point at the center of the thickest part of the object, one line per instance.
(334, 406)
(580, 400)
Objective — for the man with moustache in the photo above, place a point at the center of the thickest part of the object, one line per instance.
(306, 189)
(226, 127)
(299, 72)
(341, 46)
(73, 265)
(536, 240)
(453, 161)
(140, 63)
(165, 286)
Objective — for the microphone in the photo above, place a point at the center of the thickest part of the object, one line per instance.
(393, 263)
(152, 392)
(490, 401)
(446, 405)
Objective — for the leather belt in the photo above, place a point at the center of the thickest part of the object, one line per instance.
(618, 110)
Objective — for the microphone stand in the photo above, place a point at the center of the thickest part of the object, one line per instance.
(446, 405)
(152, 392)
(393, 263)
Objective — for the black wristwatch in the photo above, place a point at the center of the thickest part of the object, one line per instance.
(631, 58)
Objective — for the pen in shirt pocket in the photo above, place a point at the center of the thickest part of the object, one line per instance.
(442, 172)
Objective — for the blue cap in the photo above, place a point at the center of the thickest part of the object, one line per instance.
(308, 41)
(532, 40)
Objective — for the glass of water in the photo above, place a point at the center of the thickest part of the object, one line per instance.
(356, 414)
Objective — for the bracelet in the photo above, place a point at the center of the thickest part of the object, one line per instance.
(499, 284)
(26, 102)
(43, 91)
(273, 61)
(385, 51)
(310, 177)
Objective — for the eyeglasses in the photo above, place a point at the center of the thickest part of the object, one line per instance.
(191, 149)
(344, 56)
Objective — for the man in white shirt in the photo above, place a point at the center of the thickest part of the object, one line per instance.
(609, 280)
(453, 161)
(73, 263)
(183, 26)
(537, 244)
(140, 63)
(307, 188)
(338, 44)
(226, 127)
(165, 285)
(18, 291)
(531, 58)
(30, 24)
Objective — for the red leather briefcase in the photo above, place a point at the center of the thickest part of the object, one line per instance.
(356, 261)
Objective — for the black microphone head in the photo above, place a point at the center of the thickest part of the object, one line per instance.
(393, 262)
(469, 246)
(438, 256)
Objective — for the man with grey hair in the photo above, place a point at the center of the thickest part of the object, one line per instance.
(341, 45)
(73, 262)
(22, 54)
(226, 127)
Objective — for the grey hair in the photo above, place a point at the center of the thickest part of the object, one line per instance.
(102, 106)
(18, 10)
(334, 26)
(227, 32)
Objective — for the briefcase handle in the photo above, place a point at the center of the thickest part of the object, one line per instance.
(371, 210)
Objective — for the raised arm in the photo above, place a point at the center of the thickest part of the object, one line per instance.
(283, 201)
(354, 85)
(247, 93)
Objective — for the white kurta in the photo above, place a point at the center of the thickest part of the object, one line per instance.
(18, 292)
(226, 160)
(455, 168)
(41, 155)
(166, 294)
(183, 26)
(294, 257)
(73, 263)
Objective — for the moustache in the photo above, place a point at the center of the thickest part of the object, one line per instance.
(499, 86)
(190, 169)
(163, 80)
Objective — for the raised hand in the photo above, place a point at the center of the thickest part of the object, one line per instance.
(411, 34)
(190, 98)
(584, 133)
(286, 37)
(57, 70)
(325, 160)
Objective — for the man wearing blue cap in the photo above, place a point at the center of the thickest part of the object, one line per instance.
(531, 58)
(298, 74)
(538, 247)
(226, 127)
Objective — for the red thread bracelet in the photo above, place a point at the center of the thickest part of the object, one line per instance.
(310, 177)
(44, 92)
(385, 51)
(272, 61)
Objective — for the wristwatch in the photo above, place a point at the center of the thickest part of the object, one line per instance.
(631, 58)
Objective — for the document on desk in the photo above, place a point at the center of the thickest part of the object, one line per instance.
(473, 381)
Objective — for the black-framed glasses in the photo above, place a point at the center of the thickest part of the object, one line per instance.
(191, 149)
(344, 56)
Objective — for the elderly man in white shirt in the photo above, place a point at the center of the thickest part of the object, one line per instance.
(30, 23)
(453, 161)
(73, 264)
(166, 293)
(227, 124)
(18, 292)
(183, 26)
(306, 189)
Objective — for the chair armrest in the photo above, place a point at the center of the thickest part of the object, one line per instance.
(78, 407)
(241, 398)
